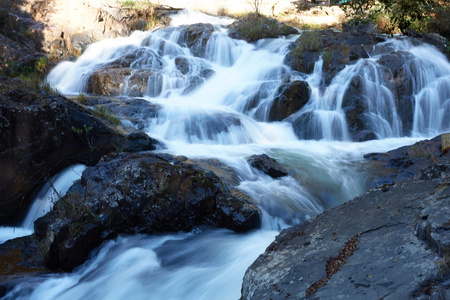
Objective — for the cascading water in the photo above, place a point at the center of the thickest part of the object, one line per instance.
(56, 187)
(214, 103)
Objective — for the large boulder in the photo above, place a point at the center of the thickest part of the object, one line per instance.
(291, 98)
(136, 193)
(41, 134)
(369, 248)
(337, 49)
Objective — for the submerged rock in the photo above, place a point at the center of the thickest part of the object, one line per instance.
(369, 248)
(267, 165)
(136, 193)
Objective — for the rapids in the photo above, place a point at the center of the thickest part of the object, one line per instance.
(224, 116)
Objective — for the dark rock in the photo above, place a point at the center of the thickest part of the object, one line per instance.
(408, 161)
(39, 136)
(363, 249)
(337, 49)
(137, 141)
(267, 165)
(137, 193)
(136, 110)
(291, 98)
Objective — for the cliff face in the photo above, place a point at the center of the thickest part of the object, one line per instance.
(389, 243)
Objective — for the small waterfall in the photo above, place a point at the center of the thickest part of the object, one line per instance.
(56, 187)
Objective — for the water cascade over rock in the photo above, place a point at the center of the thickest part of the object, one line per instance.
(278, 123)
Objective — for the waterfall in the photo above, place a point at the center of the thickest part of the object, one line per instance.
(214, 101)
(56, 187)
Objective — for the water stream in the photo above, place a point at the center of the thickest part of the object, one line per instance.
(218, 108)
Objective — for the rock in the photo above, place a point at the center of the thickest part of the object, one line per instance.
(267, 165)
(135, 110)
(354, 106)
(337, 49)
(406, 162)
(291, 98)
(254, 27)
(40, 135)
(364, 249)
(137, 193)
(401, 76)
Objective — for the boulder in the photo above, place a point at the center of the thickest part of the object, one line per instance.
(291, 98)
(405, 162)
(253, 27)
(136, 193)
(267, 165)
(41, 134)
(337, 49)
(369, 248)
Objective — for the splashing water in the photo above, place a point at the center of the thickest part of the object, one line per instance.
(215, 99)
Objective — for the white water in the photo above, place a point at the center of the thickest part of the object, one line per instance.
(56, 187)
(223, 116)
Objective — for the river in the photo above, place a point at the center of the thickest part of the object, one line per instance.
(225, 116)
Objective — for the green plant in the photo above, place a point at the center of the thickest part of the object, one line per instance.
(24, 31)
(402, 14)
(82, 98)
(105, 113)
(253, 27)
(309, 41)
(85, 133)
(41, 65)
(327, 57)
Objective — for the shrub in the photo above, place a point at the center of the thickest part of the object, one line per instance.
(82, 98)
(309, 41)
(105, 113)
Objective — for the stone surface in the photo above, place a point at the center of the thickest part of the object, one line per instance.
(291, 98)
(406, 162)
(134, 193)
(364, 249)
(267, 165)
(42, 134)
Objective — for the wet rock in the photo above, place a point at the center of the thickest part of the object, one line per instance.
(363, 249)
(291, 98)
(337, 49)
(267, 165)
(136, 193)
(196, 37)
(42, 134)
(137, 111)
(423, 160)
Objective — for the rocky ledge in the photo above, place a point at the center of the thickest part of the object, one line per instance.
(392, 242)
(41, 134)
(127, 194)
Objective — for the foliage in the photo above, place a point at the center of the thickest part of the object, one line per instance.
(105, 113)
(41, 65)
(253, 27)
(33, 77)
(309, 41)
(85, 133)
(82, 98)
(421, 15)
